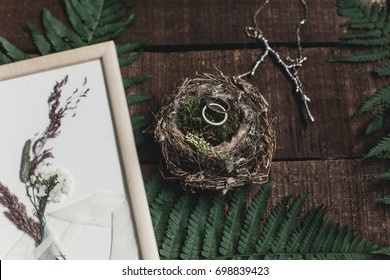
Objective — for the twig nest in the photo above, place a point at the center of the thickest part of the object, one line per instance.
(216, 133)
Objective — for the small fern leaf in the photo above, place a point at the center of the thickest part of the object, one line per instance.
(59, 35)
(382, 251)
(132, 46)
(153, 187)
(159, 211)
(322, 234)
(363, 34)
(84, 17)
(381, 150)
(177, 227)
(253, 219)
(368, 42)
(138, 122)
(377, 122)
(129, 82)
(234, 222)
(383, 70)
(126, 60)
(371, 56)
(43, 45)
(380, 97)
(288, 226)
(384, 200)
(196, 229)
(271, 227)
(385, 175)
(133, 99)
(10, 53)
(304, 236)
(214, 227)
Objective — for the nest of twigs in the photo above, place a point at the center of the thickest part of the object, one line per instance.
(216, 132)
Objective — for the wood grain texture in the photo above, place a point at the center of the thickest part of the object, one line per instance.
(346, 187)
(336, 90)
(192, 22)
(194, 36)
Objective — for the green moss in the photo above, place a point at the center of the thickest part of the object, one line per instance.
(190, 120)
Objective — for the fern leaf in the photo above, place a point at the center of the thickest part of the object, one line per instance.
(177, 226)
(84, 17)
(377, 122)
(126, 60)
(303, 238)
(253, 219)
(10, 53)
(381, 150)
(322, 234)
(129, 82)
(43, 45)
(380, 97)
(385, 175)
(271, 227)
(382, 251)
(383, 70)
(153, 187)
(288, 226)
(371, 56)
(196, 229)
(139, 122)
(159, 211)
(234, 222)
(363, 34)
(60, 36)
(132, 46)
(368, 42)
(384, 200)
(133, 99)
(214, 227)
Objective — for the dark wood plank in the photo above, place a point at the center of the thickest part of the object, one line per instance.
(192, 22)
(336, 91)
(346, 187)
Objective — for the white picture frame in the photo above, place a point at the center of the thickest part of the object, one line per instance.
(95, 142)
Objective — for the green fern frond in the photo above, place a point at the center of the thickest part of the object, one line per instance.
(175, 234)
(10, 53)
(385, 175)
(303, 238)
(368, 42)
(138, 121)
(384, 251)
(383, 70)
(288, 226)
(133, 99)
(153, 186)
(196, 229)
(234, 222)
(384, 200)
(131, 46)
(254, 216)
(370, 56)
(271, 227)
(214, 227)
(361, 34)
(160, 209)
(381, 150)
(377, 122)
(129, 82)
(380, 97)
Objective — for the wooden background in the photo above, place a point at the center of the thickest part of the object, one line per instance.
(194, 36)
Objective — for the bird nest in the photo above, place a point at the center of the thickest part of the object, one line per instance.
(216, 133)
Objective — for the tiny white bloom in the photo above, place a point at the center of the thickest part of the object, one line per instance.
(41, 190)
